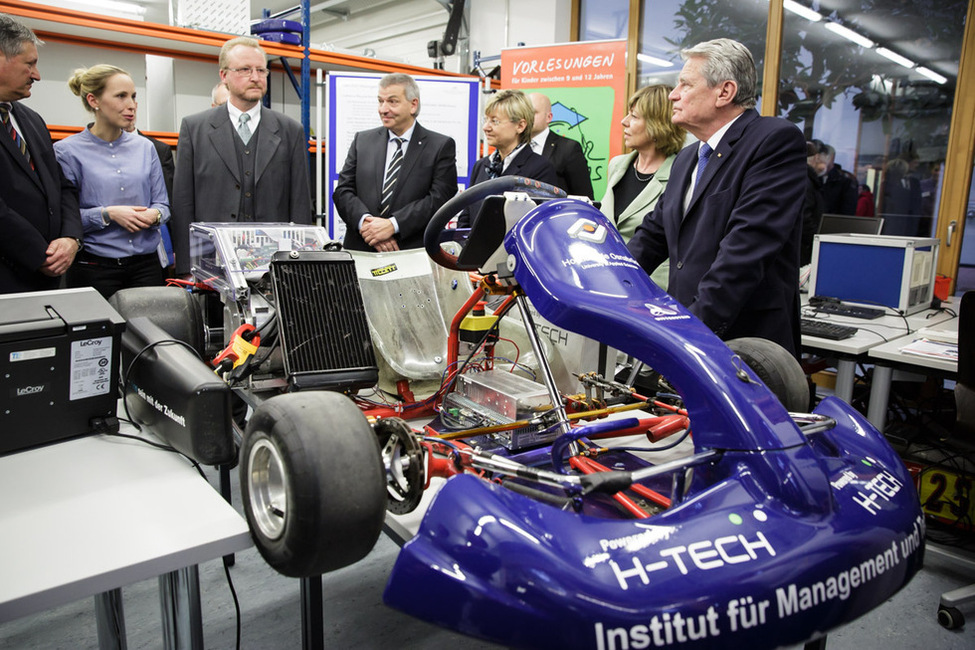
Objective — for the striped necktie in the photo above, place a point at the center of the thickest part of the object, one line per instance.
(389, 181)
(8, 126)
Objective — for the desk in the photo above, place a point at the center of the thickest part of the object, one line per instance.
(870, 334)
(888, 356)
(91, 515)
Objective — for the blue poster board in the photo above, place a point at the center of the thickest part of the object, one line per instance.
(448, 105)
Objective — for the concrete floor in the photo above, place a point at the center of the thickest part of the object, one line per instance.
(355, 616)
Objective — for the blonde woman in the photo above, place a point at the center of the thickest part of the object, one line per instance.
(636, 180)
(120, 184)
(508, 119)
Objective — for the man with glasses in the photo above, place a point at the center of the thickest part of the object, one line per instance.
(395, 176)
(38, 205)
(239, 162)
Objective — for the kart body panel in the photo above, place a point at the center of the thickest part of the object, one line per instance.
(775, 542)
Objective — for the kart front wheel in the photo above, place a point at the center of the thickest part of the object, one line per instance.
(312, 483)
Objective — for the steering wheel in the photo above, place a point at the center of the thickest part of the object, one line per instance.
(435, 231)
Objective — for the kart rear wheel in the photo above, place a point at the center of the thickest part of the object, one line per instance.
(777, 368)
(174, 310)
(312, 483)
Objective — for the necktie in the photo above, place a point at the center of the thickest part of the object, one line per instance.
(495, 167)
(389, 181)
(8, 126)
(702, 161)
(243, 129)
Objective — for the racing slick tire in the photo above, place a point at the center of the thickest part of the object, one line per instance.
(312, 483)
(172, 309)
(777, 368)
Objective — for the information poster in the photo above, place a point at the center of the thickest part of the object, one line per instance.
(586, 82)
(448, 105)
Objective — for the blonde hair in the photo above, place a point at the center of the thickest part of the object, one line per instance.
(516, 105)
(246, 41)
(652, 103)
(92, 80)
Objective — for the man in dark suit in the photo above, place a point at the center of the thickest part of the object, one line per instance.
(395, 176)
(565, 154)
(39, 213)
(732, 231)
(239, 162)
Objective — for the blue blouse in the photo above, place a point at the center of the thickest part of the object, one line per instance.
(124, 172)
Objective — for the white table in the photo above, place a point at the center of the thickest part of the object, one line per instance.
(888, 356)
(88, 516)
(870, 334)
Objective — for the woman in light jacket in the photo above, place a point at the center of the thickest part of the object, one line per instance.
(636, 180)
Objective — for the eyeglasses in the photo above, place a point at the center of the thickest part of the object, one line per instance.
(495, 122)
(246, 72)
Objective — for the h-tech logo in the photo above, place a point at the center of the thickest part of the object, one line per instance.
(588, 230)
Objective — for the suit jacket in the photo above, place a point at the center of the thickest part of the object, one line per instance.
(36, 206)
(632, 215)
(571, 167)
(427, 179)
(734, 255)
(207, 182)
(165, 153)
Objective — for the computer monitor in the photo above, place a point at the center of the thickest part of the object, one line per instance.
(838, 224)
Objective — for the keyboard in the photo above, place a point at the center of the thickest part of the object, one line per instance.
(826, 330)
(852, 311)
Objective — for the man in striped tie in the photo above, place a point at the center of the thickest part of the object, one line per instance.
(395, 176)
(39, 212)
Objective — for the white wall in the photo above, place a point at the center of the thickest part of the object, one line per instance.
(500, 24)
(397, 30)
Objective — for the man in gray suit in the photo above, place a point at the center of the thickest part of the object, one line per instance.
(395, 176)
(239, 162)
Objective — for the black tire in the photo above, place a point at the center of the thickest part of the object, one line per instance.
(950, 618)
(312, 483)
(174, 310)
(777, 369)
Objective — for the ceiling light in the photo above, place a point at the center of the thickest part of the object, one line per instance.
(112, 5)
(652, 60)
(931, 74)
(849, 34)
(895, 57)
(800, 10)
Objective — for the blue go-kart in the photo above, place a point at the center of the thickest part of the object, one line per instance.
(774, 529)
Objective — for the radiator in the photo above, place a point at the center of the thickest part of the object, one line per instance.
(322, 322)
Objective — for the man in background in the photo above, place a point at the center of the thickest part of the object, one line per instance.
(730, 217)
(219, 95)
(565, 154)
(395, 176)
(39, 212)
(838, 188)
(240, 162)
